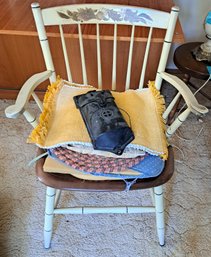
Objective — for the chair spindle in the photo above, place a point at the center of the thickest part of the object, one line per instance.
(114, 58)
(127, 85)
(141, 82)
(178, 122)
(83, 63)
(171, 106)
(66, 59)
(99, 67)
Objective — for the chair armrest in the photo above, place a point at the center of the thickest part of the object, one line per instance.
(13, 111)
(188, 96)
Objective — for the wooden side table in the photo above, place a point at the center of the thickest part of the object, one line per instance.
(189, 66)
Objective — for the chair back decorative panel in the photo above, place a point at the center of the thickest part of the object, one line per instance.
(93, 17)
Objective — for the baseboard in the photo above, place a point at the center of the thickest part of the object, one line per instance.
(12, 93)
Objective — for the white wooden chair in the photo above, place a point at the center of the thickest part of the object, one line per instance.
(100, 14)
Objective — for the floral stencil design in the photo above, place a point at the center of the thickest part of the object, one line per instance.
(86, 14)
(114, 15)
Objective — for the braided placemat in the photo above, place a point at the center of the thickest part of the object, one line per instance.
(93, 163)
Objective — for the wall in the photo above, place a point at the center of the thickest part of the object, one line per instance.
(192, 15)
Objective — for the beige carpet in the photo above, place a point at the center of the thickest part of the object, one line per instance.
(187, 213)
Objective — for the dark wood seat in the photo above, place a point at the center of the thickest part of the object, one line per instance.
(68, 182)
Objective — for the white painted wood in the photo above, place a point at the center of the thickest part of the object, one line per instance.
(127, 84)
(142, 209)
(57, 197)
(190, 100)
(172, 23)
(159, 211)
(141, 83)
(114, 58)
(38, 101)
(152, 195)
(171, 106)
(99, 67)
(178, 122)
(90, 210)
(166, 45)
(73, 210)
(49, 209)
(13, 111)
(145, 16)
(186, 93)
(43, 40)
(113, 209)
(66, 59)
(83, 63)
(30, 118)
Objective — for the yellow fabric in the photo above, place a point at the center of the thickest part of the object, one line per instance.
(54, 166)
(62, 123)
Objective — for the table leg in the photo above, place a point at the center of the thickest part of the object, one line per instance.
(186, 78)
(201, 92)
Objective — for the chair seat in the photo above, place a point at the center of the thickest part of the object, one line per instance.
(69, 182)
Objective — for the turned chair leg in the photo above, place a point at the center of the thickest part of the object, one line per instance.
(159, 210)
(49, 208)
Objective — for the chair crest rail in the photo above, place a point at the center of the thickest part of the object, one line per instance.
(104, 14)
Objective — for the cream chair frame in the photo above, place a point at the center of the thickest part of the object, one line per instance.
(53, 16)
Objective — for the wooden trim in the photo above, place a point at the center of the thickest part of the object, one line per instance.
(12, 93)
(138, 38)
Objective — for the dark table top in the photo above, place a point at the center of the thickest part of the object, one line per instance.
(186, 63)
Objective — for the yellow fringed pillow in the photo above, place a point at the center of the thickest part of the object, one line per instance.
(61, 123)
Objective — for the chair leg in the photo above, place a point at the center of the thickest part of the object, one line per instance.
(159, 210)
(57, 197)
(49, 208)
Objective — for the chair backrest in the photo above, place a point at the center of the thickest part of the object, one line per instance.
(98, 16)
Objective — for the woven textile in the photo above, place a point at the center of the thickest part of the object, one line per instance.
(93, 163)
(61, 123)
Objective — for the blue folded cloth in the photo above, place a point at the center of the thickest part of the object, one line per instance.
(151, 166)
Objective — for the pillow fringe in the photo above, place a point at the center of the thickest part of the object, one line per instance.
(160, 105)
(39, 133)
